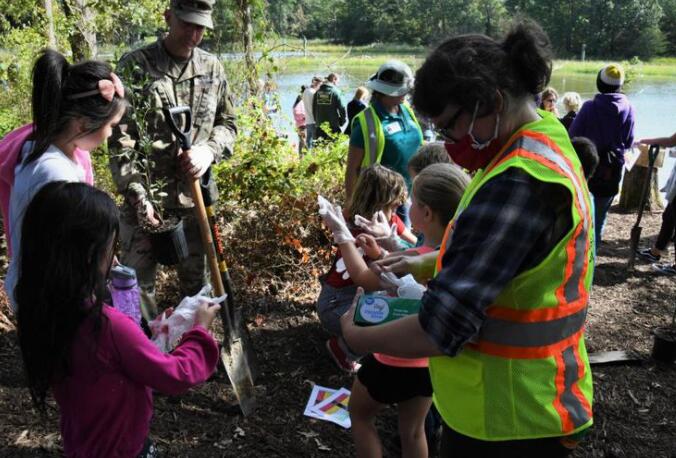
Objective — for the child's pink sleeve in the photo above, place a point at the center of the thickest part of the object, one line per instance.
(83, 158)
(190, 364)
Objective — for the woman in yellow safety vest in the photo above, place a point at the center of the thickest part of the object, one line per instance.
(387, 132)
(503, 317)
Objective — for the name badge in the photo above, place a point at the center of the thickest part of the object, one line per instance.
(393, 128)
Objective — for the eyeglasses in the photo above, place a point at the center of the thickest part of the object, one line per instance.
(445, 131)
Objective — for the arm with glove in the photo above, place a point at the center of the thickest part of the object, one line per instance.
(385, 232)
(353, 250)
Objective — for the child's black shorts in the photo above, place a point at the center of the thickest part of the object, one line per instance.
(390, 384)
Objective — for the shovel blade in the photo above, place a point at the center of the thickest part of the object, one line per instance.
(241, 334)
(238, 357)
(635, 238)
(238, 371)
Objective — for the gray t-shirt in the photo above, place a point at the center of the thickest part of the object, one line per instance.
(308, 95)
(52, 165)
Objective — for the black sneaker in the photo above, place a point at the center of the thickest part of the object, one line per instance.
(665, 269)
(647, 254)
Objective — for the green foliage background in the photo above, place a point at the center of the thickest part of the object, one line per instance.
(267, 190)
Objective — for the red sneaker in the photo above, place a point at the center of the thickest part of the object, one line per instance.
(340, 357)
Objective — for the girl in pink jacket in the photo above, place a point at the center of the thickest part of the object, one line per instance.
(100, 366)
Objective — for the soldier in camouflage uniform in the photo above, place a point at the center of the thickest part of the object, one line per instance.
(176, 72)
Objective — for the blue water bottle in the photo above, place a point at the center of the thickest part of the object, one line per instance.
(125, 292)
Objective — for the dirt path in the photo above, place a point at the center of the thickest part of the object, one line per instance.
(635, 406)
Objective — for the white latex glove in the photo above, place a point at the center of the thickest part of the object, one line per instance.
(378, 226)
(334, 220)
(196, 161)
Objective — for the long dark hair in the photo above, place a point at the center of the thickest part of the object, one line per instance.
(54, 80)
(65, 240)
(470, 68)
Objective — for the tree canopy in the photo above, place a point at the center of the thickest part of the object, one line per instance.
(605, 28)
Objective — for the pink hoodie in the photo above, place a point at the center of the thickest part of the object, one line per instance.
(106, 401)
(10, 154)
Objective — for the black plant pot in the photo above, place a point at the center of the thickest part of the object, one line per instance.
(664, 345)
(169, 246)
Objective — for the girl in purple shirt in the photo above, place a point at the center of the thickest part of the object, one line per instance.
(101, 367)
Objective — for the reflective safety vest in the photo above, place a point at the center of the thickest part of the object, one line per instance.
(374, 137)
(526, 374)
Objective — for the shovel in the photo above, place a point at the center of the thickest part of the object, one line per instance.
(239, 330)
(636, 230)
(233, 355)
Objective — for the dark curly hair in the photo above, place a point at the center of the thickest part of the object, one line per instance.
(468, 68)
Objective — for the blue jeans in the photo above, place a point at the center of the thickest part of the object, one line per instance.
(601, 207)
(311, 130)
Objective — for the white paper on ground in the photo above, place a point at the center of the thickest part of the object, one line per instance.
(335, 408)
(318, 394)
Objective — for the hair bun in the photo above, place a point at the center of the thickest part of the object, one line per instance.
(529, 53)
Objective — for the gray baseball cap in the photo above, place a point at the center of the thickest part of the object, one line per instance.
(394, 78)
(194, 11)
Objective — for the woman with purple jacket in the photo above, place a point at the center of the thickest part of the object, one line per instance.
(608, 121)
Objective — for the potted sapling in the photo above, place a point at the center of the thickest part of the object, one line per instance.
(166, 232)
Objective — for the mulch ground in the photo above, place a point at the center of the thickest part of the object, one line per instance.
(634, 410)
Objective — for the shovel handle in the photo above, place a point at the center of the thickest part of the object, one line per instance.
(207, 239)
(184, 136)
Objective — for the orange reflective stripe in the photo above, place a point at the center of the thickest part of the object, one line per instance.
(581, 368)
(535, 315)
(572, 257)
(559, 382)
(571, 405)
(444, 241)
(513, 352)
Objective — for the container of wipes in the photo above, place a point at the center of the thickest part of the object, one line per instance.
(373, 309)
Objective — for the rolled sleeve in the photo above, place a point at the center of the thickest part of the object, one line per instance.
(501, 229)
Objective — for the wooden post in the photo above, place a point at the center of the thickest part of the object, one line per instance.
(244, 11)
(82, 38)
(630, 195)
(632, 184)
(49, 13)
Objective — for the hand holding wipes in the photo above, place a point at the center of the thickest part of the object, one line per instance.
(168, 328)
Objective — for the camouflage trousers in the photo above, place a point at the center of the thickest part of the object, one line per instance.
(136, 253)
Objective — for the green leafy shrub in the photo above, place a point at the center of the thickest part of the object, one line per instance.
(269, 202)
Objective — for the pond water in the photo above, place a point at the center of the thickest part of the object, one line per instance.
(654, 102)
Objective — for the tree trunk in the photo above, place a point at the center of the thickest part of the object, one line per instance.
(244, 12)
(83, 37)
(632, 187)
(49, 13)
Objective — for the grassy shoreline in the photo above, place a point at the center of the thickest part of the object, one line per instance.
(323, 56)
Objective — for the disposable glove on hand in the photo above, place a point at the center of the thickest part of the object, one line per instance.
(196, 161)
(334, 220)
(380, 228)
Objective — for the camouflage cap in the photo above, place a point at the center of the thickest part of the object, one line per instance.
(194, 11)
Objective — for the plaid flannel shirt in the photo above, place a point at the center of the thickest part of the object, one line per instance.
(510, 226)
